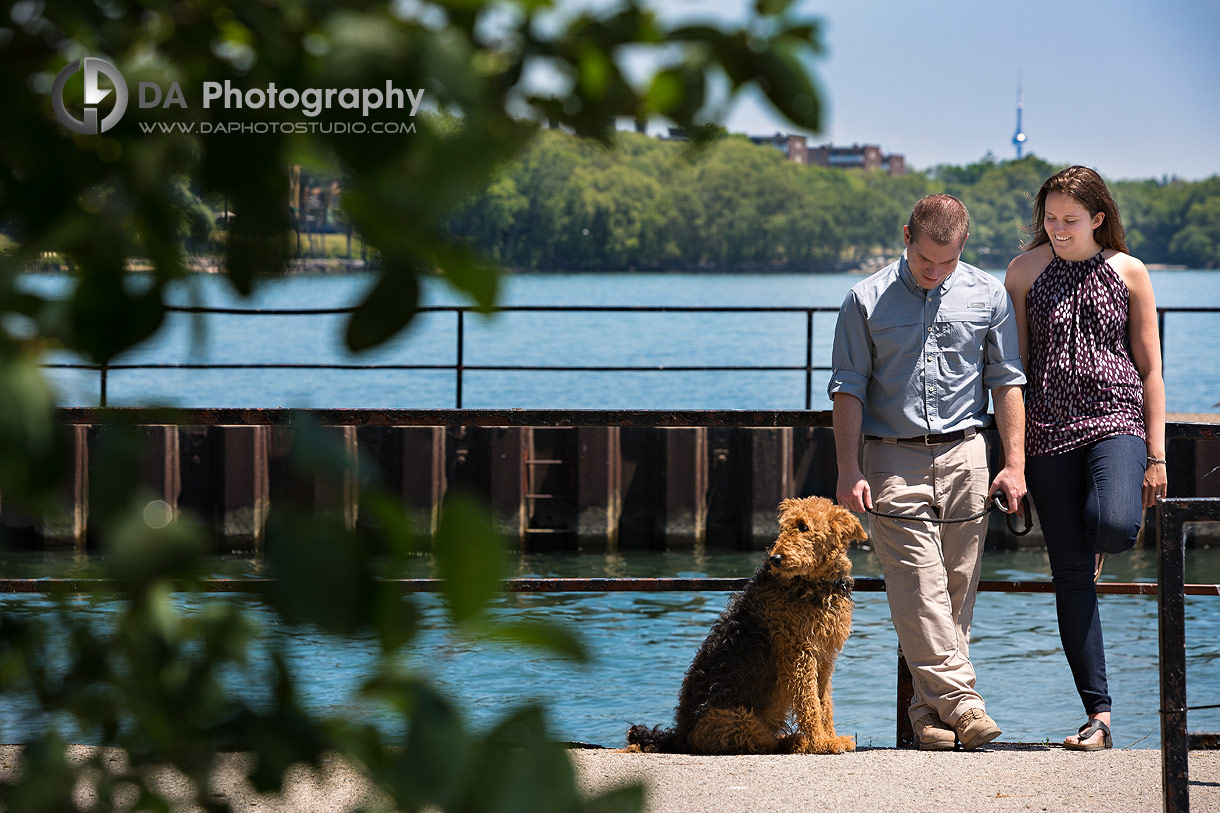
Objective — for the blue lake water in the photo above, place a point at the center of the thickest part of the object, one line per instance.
(642, 643)
(1192, 342)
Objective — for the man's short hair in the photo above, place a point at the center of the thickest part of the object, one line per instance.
(942, 217)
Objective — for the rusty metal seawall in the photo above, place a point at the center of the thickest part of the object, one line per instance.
(556, 479)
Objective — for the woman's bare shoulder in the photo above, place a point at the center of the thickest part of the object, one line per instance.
(1131, 271)
(1027, 265)
(1124, 263)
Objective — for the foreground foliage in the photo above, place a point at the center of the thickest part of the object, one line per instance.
(152, 679)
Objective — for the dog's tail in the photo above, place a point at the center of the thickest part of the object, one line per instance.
(652, 740)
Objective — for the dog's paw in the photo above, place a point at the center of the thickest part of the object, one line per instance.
(834, 745)
(797, 743)
(846, 744)
(838, 745)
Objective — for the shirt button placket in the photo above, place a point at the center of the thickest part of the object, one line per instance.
(930, 409)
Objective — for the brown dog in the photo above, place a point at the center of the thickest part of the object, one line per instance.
(773, 649)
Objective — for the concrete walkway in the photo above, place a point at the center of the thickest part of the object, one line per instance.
(1000, 778)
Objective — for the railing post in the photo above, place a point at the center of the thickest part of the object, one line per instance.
(1160, 331)
(461, 340)
(1171, 614)
(104, 369)
(809, 358)
(905, 690)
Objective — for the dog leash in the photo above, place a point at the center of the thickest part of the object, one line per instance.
(997, 501)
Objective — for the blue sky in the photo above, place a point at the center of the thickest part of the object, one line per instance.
(1129, 88)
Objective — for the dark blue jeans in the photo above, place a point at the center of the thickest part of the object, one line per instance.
(1089, 501)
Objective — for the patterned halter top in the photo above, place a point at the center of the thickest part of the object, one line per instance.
(1083, 384)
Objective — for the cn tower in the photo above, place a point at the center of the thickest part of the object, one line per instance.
(1018, 138)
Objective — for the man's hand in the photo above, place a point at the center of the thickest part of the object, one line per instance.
(1010, 420)
(853, 492)
(1011, 481)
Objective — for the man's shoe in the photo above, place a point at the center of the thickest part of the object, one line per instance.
(933, 735)
(975, 728)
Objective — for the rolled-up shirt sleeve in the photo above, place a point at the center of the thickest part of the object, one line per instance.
(1002, 359)
(851, 359)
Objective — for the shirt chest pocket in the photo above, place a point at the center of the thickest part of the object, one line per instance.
(897, 344)
(962, 338)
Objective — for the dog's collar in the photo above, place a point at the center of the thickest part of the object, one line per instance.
(821, 588)
(843, 585)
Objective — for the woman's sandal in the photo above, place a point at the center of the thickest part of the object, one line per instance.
(1086, 732)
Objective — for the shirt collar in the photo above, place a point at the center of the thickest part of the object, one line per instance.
(908, 278)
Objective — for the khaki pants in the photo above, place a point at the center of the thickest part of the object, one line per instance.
(931, 571)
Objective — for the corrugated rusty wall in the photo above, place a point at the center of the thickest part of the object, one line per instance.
(550, 488)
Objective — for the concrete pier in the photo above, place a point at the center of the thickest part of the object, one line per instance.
(555, 480)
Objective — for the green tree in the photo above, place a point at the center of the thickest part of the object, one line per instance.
(1197, 244)
(733, 205)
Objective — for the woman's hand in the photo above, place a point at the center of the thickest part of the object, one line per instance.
(1156, 483)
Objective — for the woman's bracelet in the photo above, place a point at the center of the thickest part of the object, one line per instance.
(1155, 460)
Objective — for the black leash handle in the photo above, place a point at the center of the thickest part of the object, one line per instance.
(997, 501)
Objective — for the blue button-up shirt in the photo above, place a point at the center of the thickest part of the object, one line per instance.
(921, 361)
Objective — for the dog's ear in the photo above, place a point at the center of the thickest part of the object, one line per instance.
(846, 525)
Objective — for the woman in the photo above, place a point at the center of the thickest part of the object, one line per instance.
(1095, 408)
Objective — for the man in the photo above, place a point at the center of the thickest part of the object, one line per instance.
(917, 347)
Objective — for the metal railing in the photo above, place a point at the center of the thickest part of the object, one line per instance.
(1176, 741)
(460, 367)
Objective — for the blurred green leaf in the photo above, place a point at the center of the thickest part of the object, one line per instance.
(323, 572)
(468, 272)
(107, 318)
(32, 445)
(595, 70)
(469, 557)
(226, 632)
(627, 799)
(771, 7)
(436, 754)
(52, 791)
(386, 309)
(390, 525)
(779, 71)
(523, 771)
(665, 92)
(140, 557)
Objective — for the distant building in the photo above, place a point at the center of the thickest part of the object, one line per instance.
(794, 147)
(857, 156)
(797, 150)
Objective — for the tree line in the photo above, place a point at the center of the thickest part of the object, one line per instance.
(571, 204)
